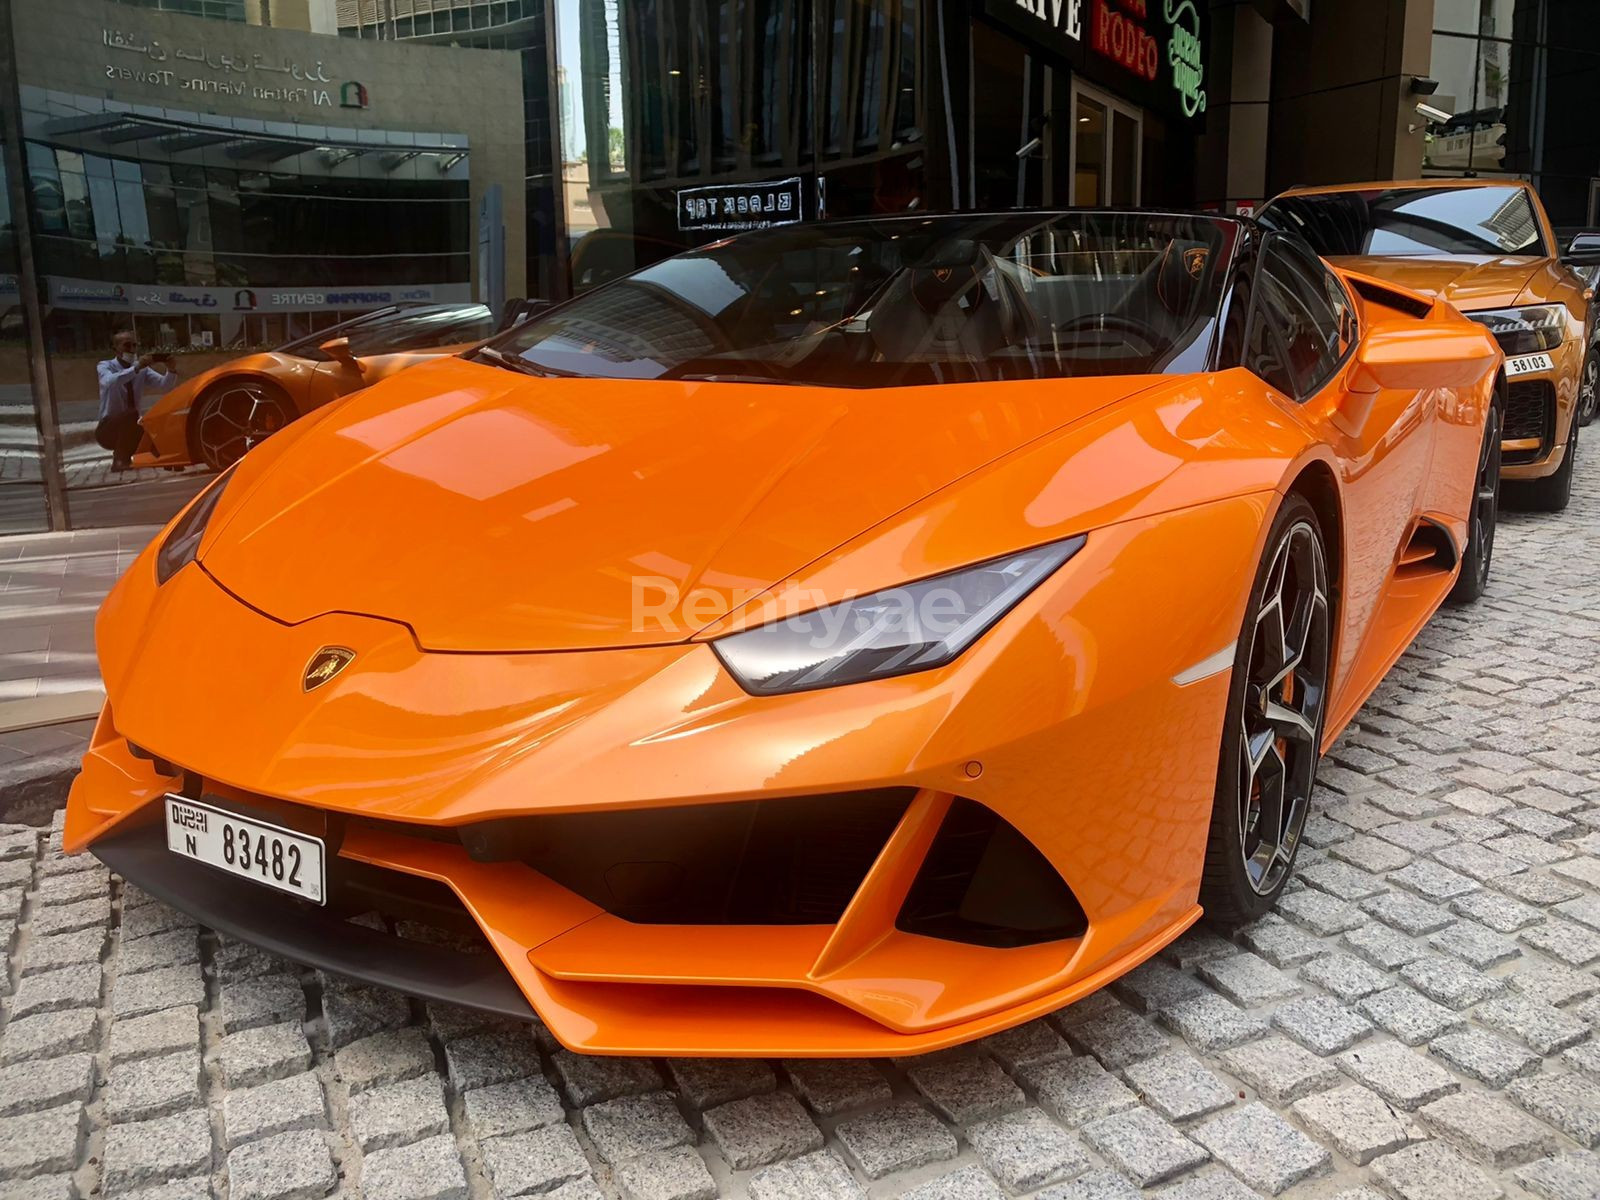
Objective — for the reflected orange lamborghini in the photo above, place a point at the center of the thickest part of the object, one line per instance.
(843, 639)
(219, 414)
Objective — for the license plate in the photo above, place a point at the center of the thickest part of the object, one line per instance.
(268, 854)
(1529, 363)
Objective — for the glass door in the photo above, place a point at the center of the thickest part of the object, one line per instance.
(1106, 139)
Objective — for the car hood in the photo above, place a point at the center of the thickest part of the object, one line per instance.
(493, 511)
(1469, 282)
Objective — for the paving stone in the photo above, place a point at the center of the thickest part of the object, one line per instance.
(387, 1057)
(1210, 1023)
(1178, 1086)
(1571, 943)
(1401, 1076)
(1345, 975)
(1537, 1025)
(1484, 1056)
(355, 1011)
(1473, 944)
(1479, 861)
(481, 1059)
(758, 1130)
(64, 950)
(49, 1034)
(1371, 854)
(1156, 984)
(1585, 1058)
(1450, 981)
(1076, 1090)
(1408, 1014)
(147, 919)
(896, 1138)
(54, 890)
(1341, 880)
(66, 918)
(1554, 984)
(708, 1082)
(1569, 1102)
(1200, 944)
(1143, 1146)
(1358, 1122)
(1383, 947)
(1118, 1037)
(261, 1000)
(1279, 942)
(1321, 1024)
(819, 1176)
(1488, 1129)
(969, 1183)
(1524, 847)
(159, 1033)
(46, 1187)
(1279, 1069)
(629, 1126)
(1406, 912)
(1433, 881)
(1248, 980)
(1215, 1184)
(833, 1086)
(1322, 914)
(1035, 1042)
(400, 1113)
(968, 1087)
(1096, 1004)
(676, 1174)
(1027, 1150)
(1568, 1176)
(536, 1162)
(45, 1083)
(589, 1079)
(289, 1166)
(512, 1107)
(176, 948)
(1099, 1184)
(240, 960)
(151, 991)
(144, 1152)
(1262, 1148)
(1419, 837)
(154, 1087)
(266, 1052)
(1535, 887)
(425, 1170)
(1433, 1171)
(1499, 913)
(40, 1141)
(51, 991)
(272, 1108)
(1585, 910)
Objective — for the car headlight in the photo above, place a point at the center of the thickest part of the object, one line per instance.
(1524, 330)
(914, 627)
(183, 539)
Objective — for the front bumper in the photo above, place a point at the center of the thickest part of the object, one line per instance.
(1064, 722)
(1540, 411)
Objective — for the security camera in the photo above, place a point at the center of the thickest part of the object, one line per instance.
(1421, 85)
(1437, 115)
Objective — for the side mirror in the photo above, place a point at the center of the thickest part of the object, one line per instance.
(338, 349)
(1408, 356)
(1583, 250)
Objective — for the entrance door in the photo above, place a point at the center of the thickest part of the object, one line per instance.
(1009, 127)
(1106, 139)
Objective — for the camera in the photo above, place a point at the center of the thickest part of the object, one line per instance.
(1437, 115)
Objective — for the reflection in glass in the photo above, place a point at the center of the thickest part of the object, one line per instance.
(1089, 154)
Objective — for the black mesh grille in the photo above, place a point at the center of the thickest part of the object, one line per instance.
(1530, 412)
(983, 883)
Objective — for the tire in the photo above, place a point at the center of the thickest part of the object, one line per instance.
(1272, 732)
(1483, 516)
(1553, 492)
(233, 416)
(1589, 386)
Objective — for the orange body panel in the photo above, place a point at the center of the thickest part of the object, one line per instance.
(469, 533)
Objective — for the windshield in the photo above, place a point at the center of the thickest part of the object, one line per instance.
(880, 303)
(1411, 221)
(392, 330)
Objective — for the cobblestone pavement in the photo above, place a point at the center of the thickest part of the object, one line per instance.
(1418, 1022)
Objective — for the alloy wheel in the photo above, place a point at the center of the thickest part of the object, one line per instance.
(234, 420)
(1285, 691)
(1589, 387)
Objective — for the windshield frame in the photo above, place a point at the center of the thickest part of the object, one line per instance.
(1234, 233)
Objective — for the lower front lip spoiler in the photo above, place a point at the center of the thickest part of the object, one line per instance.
(296, 931)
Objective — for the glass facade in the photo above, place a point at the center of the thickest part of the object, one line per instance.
(1519, 77)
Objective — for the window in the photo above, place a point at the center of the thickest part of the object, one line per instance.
(1295, 301)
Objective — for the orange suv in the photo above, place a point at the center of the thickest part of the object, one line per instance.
(1487, 247)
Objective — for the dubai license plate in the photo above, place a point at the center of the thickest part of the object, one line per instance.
(266, 854)
(1528, 363)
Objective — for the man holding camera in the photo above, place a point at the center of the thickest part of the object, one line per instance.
(125, 380)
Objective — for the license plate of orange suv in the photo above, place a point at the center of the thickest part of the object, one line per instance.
(254, 850)
(1529, 363)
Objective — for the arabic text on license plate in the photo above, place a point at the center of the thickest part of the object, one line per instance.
(1527, 363)
(268, 854)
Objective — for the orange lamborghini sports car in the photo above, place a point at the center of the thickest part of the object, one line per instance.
(1486, 246)
(216, 416)
(850, 638)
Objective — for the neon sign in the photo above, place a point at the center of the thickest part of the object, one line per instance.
(1184, 56)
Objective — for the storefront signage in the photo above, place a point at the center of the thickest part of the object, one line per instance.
(1186, 56)
(1122, 37)
(1064, 17)
(98, 296)
(200, 68)
(734, 206)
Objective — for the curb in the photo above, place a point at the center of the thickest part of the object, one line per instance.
(32, 789)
